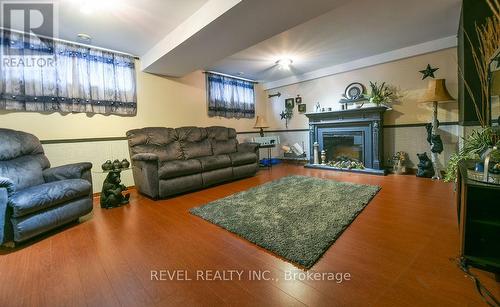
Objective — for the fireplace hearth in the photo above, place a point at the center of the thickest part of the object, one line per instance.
(351, 139)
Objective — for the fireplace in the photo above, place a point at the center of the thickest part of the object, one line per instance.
(352, 139)
(348, 145)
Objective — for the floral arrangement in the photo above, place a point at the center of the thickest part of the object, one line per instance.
(381, 94)
(400, 156)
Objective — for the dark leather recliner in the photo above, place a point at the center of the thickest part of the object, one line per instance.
(169, 161)
(34, 197)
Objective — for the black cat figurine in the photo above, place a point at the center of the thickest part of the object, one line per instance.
(425, 166)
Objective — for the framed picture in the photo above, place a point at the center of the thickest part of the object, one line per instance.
(289, 103)
(302, 108)
(298, 100)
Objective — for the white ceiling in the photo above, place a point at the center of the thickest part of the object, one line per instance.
(223, 27)
(355, 30)
(132, 26)
(248, 36)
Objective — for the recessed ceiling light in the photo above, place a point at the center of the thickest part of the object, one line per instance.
(284, 63)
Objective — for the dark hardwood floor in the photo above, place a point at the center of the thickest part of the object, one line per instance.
(398, 251)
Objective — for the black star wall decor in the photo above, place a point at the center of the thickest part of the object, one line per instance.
(428, 72)
(282, 115)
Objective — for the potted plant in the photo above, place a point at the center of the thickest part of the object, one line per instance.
(381, 94)
(474, 147)
(482, 140)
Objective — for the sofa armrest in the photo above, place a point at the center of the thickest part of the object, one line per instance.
(6, 233)
(248, 147)
(70, 171)
(8, 185)
(145, 171)
(145, 157)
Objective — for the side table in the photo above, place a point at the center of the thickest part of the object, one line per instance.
(112, 188)
(269, 148)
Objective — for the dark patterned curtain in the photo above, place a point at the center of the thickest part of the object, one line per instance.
(54, 76)
(230, 97)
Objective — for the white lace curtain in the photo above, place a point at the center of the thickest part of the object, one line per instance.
(230, 97)
(64, 77)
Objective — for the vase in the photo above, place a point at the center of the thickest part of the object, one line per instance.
(316, 153)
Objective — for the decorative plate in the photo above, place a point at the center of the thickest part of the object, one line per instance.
(354, 91)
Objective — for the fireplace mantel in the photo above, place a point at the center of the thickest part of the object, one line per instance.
(351, 115)
(369, 120)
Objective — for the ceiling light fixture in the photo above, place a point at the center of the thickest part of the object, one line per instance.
(82, 37)
(284, 63)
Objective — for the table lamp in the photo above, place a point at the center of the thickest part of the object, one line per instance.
(261, 123)
(436, 93)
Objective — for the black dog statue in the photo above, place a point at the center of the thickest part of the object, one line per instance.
(111, 195)
(425, 167)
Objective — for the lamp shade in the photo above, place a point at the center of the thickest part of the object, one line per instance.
(437, 91)
(261, 122)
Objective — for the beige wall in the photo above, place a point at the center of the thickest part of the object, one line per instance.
(162, 101)
(167, 102)
(404, 74)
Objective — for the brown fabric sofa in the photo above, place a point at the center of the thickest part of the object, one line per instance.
(167, 161)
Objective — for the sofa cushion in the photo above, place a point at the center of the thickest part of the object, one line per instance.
(222, 139)
(191, 134)
(193, 150)
(241, 158)
(214, 162)
(151, 136)
(178, 168)
(224, 147)
(194, 142)
(24, 171)
(221, 133)
(162, 142)
(17, 143)
(40, 197)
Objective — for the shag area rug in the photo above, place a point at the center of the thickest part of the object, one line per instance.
(296, 217)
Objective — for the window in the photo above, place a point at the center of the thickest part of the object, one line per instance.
(230, 97)
(64, 77)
